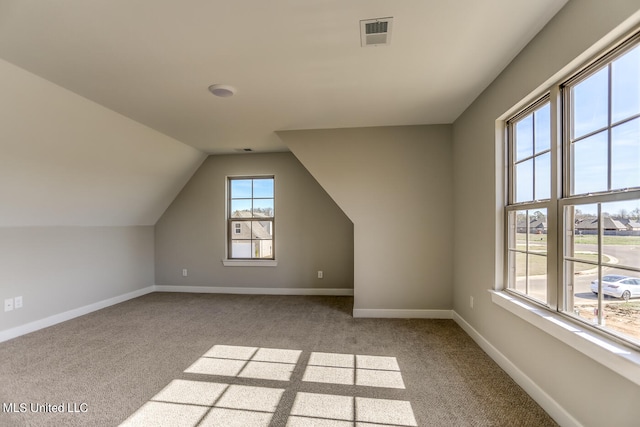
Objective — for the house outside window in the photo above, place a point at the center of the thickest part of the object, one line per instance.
(572, 212)
(251, 218)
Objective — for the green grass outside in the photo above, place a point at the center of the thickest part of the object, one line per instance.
(535, 238)
(588, 239)
(538, 264)
(608, 240)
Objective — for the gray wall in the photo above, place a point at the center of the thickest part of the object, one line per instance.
(312, 233)
(395, 184)
(81, 188)
(56, 269)
(590, 392)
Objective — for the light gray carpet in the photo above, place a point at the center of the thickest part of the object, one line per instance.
(117, 359)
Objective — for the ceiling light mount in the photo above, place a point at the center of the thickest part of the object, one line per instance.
(223, 91)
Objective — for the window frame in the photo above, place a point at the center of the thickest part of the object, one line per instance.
(559, 97)
(512, 206)
(233, 230)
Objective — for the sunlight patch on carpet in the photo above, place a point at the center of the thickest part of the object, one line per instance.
(202, 403)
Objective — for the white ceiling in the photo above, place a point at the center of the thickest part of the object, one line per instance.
(296, 64)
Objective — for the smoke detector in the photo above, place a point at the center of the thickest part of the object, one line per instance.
(376, 32)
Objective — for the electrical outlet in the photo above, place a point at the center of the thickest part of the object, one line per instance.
(17, 302)
(471, 301)
(8, 304)
(320, 274)
(184, 272)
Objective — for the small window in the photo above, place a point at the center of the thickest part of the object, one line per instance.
(251, 218)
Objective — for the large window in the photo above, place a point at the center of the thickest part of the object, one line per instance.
(251, 218)
(573, 208)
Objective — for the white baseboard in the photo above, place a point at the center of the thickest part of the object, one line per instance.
(71, 314)
(553, 408)
(255, 291)
(401, 314)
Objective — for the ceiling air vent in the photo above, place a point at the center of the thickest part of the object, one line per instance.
(376, 32)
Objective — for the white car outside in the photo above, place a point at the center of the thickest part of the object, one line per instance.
(618, 286)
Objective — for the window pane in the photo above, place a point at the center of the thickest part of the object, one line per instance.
(520, 239)
(621, 241)
(263, 187)
(543, 128)
(240, 249)
(241, 208)
(524, 138)
(520, 272)
(538, 232)
(529, 274)
(590, 104)
(538, 277)
(255, 239)
(590, 164)
(528, 261)
(240, 230)
(583, 242)
(262, 208)
(523, 176)
(251, 249)
(625, 155)
(261, 229)
(512, 230)
(581, 300)
(621, 302)
(263, 248)
(543, 176)
(625, 97)
(240, 188)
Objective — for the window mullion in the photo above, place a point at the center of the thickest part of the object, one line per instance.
(511, 167)
(600, 234)
(609, 133)
(554, 251)
(527, 258)
(533, 139)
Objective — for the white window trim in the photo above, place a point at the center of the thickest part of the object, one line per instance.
(619, 358)
(249, 262)
(241, 262)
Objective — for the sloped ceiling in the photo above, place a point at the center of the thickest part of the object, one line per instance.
(67, 161)
(295, 64)
(105, 112)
